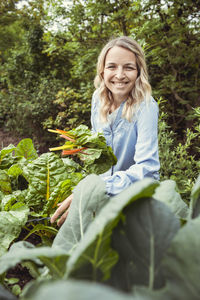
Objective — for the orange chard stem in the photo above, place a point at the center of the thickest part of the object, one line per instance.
(67, 138)
(73, 151)
(66, 133)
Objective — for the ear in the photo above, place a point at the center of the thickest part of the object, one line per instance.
(102, 75)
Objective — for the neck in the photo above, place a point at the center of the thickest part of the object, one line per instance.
(117, 102)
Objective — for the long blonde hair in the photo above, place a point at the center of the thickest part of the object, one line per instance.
(142, 88)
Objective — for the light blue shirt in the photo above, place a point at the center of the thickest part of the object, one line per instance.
(134, 143)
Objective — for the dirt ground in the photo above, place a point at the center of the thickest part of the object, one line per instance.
(7, 139)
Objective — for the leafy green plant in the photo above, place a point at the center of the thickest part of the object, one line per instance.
(32, 186)
(73, 109)
(91, 148)
(131, 234)
(179, 160)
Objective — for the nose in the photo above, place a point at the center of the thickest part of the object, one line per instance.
(120, 73)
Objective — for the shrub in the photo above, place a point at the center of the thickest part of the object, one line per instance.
(179, 159)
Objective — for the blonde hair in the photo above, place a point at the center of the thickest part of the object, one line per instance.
(142, 88)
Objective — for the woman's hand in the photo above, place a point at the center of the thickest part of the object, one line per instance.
(62, 211)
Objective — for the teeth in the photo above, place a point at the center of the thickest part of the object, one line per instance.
(119, 83)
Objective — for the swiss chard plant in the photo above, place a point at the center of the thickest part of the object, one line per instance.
(32, 186)
(141, 244)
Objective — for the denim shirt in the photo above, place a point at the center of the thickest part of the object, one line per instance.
(134, 143)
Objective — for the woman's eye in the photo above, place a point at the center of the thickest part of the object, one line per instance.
(111, 67)
(130, 68)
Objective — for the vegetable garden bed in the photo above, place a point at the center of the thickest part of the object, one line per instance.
(140, 244)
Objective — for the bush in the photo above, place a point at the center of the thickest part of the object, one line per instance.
(179, 159)
(23, 110)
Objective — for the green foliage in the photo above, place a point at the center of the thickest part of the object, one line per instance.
(172, 46)
(46, 81)
(179, 159)
(12, 222)
(86, 204)
(97, 157)
(5, 294)
(47, 74)
(31, 186)
(168, 194)
(132, 243)
(75, 289)
(73, 110)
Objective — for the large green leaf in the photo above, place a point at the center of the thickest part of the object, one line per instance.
(5, 183)
(53, 258)
(44, 174)
(17, 175)
(8, 200)
(89, 197)
(5, 294)
(195, 199)
(98, 161)
(26, 149)
(6, 157)
(94, 257)
(74, 290)
(141, 239)
(11, 224)
(6, 151)
(71, 164)
(181, 264)
(15, 170)
(167, 193)
(61, 192)
(144, 293)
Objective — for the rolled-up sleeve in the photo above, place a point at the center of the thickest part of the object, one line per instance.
(146, 159)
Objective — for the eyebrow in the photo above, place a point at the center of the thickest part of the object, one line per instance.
(126, 64)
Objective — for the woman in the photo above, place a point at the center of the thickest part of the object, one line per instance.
(124, 110)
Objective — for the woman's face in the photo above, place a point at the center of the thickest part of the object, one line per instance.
(120, 72)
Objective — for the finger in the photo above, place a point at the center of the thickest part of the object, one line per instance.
(63, 218)
(66, 200)
(59, 211)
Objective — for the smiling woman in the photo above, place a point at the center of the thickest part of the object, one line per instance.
(120, 74)
(127, 115)
(124, 110)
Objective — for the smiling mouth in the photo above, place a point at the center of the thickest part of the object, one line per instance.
(119, 83)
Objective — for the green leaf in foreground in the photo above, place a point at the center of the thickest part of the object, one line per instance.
(181, 264)
(167, 193)
(141, 239)
(93, 257)
(54, 258)
(89, 197)
(74, 290)
(11, 223)
(5, 294)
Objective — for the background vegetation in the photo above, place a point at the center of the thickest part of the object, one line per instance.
(48, 53)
